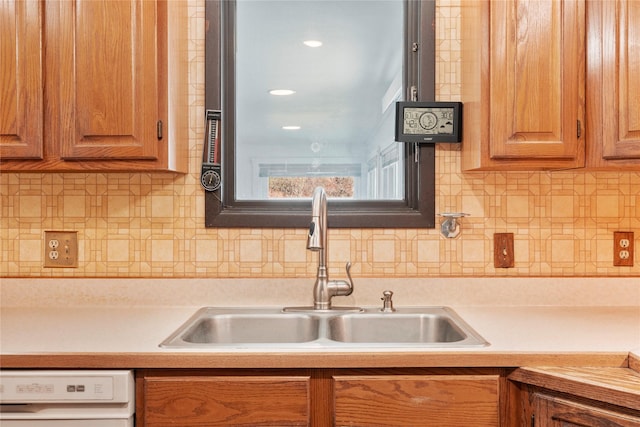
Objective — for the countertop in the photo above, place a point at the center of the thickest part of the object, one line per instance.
(107, 332)
(129, 338)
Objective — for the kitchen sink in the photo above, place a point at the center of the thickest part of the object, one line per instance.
(212, 326)
(398, 328)
(274, 328)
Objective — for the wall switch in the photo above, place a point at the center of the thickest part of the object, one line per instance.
(503, 253)
(61, 249)
(623, 248)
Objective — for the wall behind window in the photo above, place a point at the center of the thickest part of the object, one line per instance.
(132, 225)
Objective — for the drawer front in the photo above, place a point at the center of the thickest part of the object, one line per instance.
(227, 401)
(417, 400)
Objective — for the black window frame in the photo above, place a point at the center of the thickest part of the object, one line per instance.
(416, 210)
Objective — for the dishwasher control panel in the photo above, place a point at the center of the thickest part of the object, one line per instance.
(65, 386)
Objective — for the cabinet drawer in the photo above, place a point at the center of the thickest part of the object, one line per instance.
(226, 400)
(417, 400)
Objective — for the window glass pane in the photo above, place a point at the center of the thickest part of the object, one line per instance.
(337, 127)
(302, 187)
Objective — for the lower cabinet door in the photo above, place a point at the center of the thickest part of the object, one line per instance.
(556, 412)
(187, 401)
(417, 400)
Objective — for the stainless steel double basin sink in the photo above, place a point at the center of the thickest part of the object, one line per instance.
(269, 328)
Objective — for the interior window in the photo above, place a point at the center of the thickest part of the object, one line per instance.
(315, 89)
(307, 90)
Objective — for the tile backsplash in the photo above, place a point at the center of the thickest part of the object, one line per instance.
(148, 225)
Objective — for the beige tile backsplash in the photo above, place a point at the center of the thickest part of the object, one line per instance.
(146, 225)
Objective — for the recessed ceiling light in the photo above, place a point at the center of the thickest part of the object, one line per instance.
(290, 127)
(282, 92)
(313, 43)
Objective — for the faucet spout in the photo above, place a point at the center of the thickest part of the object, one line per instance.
(324, 289)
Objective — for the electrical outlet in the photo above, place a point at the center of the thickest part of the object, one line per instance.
(61, 249)
(503, 253)
(623, 248)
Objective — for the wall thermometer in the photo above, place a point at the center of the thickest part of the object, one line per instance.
(210, 173)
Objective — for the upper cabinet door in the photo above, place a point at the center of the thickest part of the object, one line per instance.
(621, 79)
(523, 84)
(21, 95)
(537, 78)
(108, 92)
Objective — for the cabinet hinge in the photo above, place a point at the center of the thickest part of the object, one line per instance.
(159, 129)
(579, 129)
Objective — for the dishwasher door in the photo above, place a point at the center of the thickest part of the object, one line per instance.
(66, 398)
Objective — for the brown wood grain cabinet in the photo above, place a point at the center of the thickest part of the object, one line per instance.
(226, 400)
(550, 411)
(550, 84)
(492, 397)
(523, 84)
(319, 397)
(613, 84)
(587, 397)
(112, 77)
(415, 400)
(21, 80)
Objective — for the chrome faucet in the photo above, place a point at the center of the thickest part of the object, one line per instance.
(324, 289)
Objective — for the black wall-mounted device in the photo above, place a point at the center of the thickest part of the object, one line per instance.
(428, 122)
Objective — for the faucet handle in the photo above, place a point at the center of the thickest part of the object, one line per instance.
(340, 287)
(348, 268)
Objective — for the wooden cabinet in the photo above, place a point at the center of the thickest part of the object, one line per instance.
(549, 411)
(411, 400)
(106, 69)
(21, 80)
(523, 84)
(114, 90)
(588, 397)
(551, 84)
(613, 86)
(319, 397)
(224, 399)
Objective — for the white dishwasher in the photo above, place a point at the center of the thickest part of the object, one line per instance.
(67, 398)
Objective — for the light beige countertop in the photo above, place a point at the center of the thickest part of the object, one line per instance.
(120, 323)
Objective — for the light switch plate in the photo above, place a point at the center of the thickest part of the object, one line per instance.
(503, 251)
